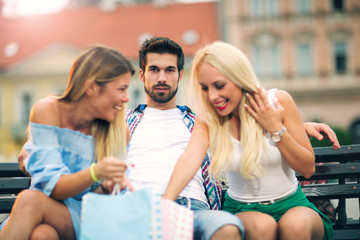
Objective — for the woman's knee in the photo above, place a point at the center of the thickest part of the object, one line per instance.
(257, 225)
(295, 229)
(267, 225)
(44, 232)
(302, 223)
(300, 229)
(30, 199)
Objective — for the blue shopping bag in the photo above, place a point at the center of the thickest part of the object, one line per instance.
(135, 215)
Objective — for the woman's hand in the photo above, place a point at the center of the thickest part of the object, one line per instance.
(110, 168)
(127, 184)
(270, 118)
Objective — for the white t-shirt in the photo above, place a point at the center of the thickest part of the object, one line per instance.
(154, 148)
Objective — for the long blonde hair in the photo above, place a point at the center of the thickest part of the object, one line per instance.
(235, 66)
(100, 64)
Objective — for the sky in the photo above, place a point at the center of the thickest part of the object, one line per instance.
(16, 8)
(32, 7)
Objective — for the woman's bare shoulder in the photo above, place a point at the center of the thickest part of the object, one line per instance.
(46, 111)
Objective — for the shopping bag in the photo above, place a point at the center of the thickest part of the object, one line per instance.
(177, 221)
(138, 215)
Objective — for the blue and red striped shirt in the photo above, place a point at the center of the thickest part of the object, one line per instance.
(213, 190)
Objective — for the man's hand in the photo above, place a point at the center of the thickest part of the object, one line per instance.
(21, 158)
(316, 129)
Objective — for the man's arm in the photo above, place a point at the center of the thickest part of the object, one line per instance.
(318, 130)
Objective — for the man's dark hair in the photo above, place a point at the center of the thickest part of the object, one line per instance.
(161, 45)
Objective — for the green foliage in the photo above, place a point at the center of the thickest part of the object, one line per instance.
(342, 134)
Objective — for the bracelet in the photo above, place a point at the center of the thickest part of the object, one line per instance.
(92, 173)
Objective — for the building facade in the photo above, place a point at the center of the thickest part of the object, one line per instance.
(36, 52)
(309, 48)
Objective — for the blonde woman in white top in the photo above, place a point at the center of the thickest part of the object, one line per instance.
(257, 142)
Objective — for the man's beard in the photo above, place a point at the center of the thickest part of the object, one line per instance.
(161, 97)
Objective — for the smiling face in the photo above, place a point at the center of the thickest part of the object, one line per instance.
(161, 78)
(221, 93)
(111, 98)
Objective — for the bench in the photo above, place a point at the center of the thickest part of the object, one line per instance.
(12, 181)
(340, 167)
(342, 170)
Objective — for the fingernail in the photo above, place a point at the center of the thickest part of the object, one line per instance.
(258, 86)
(245, 105)
(247, 94)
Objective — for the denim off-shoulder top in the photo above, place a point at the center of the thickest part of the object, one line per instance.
(54, 152)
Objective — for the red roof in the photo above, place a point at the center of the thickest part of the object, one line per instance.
(120, 29)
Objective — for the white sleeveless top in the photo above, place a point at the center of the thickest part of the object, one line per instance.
(279, 179)
(154, 148)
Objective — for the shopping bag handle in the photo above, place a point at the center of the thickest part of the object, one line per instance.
(116, 190)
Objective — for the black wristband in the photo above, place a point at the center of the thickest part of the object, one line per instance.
(105, 191)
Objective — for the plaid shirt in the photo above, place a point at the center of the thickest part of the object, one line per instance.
(213, 191)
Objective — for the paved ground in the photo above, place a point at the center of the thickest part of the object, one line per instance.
(351, 204)
(352, 207)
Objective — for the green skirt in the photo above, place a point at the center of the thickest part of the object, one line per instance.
(278, 208)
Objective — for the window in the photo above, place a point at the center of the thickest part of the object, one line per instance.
(136, 94)
(355, 131)
(26, 104)
(338, 5)
(1, 109)
(303, 6)
(304, 59)
(136, 97)
(254, 8)
(266, 55)
(273, 7)
(58, 90)
(340, 57)
(263, 7)
(266, 60)
(24, 99)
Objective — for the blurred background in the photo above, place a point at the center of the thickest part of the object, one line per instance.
(311, 48)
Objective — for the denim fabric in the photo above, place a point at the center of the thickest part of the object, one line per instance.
(54, 152)
(206, 221)
(3, 223)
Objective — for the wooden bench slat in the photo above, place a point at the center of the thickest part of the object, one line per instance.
(6, 204)
(347, 234)
(345, 154)
(334, 171)
(13, 185)
(10, 170)
(329, 191)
